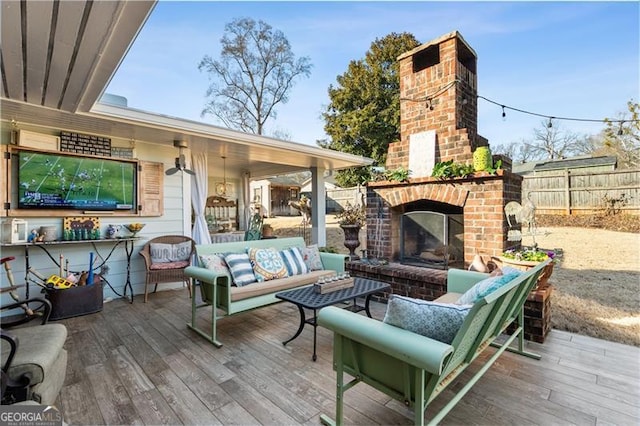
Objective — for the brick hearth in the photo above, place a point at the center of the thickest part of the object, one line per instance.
(405, 280)
(429, 284)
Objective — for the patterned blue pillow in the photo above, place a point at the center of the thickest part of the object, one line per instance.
(439, 321)
(267, 264)
(488, 285)
(240, 268)
(292, 258)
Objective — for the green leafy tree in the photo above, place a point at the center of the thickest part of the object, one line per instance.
(364, 113)
(254, 73)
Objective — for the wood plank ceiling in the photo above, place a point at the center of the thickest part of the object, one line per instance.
(61, 54)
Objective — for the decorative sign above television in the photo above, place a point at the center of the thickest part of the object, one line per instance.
(85, 144)
(48, 180)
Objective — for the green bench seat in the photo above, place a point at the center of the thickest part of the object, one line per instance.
(216, 290)
(413, 368)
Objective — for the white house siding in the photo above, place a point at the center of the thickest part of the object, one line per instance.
(175, 221)
(265, 201)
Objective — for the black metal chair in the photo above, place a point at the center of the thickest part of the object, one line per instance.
(34, 361)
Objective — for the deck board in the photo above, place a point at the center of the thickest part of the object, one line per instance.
(139, 363)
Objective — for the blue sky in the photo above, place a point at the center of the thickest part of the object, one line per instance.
(572, 59)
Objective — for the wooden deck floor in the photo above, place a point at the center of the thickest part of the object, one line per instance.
(139, 364)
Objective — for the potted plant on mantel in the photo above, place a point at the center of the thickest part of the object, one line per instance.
(351, 220)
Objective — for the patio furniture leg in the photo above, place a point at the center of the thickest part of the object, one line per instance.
(366, 305)
(300, 327)
(214, 317)
(477, 376)
(339, 367)
(315, 327)
(419, 405)
(520, 350)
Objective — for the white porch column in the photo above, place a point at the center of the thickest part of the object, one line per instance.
(245, 210)
(318, 205)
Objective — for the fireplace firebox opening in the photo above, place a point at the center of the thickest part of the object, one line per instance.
(432, 239)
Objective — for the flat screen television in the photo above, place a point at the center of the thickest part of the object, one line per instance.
(49, 180)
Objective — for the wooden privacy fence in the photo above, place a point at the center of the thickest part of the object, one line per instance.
(338, 198)
(584, 193)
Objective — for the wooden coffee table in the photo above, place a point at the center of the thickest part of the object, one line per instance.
(306, 297)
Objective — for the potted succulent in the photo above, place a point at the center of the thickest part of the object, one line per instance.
(351, 219)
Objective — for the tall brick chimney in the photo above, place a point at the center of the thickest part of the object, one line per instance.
(438, 93)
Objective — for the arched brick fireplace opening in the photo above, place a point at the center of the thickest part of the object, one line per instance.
(480, 201)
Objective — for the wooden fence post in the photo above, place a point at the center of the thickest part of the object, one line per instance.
(567, 192)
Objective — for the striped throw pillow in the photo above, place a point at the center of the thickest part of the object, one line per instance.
(292, 258)
(240, 268)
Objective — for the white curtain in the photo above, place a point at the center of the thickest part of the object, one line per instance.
(199, 190)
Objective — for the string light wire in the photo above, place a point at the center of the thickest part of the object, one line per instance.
(429, 103)
(551, 117)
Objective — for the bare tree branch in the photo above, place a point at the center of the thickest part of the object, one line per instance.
(255, 72)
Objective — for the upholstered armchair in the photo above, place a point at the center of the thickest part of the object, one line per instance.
(34, 361)
(165, 259)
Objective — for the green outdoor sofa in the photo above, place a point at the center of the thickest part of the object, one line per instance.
(413, 368)
(217, 289)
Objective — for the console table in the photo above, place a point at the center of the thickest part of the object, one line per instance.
(127, 243)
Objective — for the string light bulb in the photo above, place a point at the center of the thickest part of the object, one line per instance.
(550, 123)
(620, 132)
(504, 114)
(429, 104)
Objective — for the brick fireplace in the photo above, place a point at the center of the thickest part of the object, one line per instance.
(438, 122)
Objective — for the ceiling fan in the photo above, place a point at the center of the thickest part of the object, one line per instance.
(181, 163)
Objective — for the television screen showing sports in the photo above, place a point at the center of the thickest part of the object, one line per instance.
(55, 181)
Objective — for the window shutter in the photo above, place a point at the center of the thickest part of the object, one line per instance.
(151, 186)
